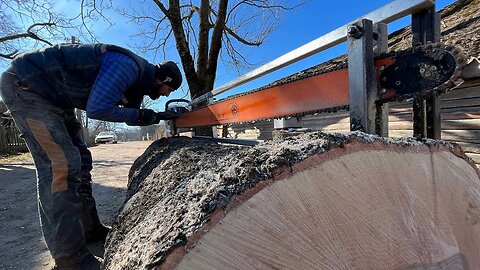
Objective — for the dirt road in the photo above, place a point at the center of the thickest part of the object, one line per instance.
(21, 242)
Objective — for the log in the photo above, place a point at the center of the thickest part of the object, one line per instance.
(313, 201)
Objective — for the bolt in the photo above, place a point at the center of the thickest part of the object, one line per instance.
(384, 91)
(398, 83)
(355, 31)
(352, 29)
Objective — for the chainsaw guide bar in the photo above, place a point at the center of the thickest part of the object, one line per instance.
(422, 71)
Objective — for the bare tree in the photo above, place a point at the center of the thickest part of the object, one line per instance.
(26, 24)
(204, 32)
(29, 24)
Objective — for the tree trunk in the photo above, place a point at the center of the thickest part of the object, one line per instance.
(203, 35)
(313, 201)
(216, 44)
(174, 16)
(203, 130)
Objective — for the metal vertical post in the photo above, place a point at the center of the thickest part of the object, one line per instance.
(426, 113)
(284, 123)
(214, 128)
(363, 90)
(381, 46)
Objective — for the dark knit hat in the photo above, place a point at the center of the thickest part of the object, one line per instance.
(169, 73)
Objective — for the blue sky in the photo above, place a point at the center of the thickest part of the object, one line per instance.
(298, 27)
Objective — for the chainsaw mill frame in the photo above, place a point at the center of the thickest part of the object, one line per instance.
(366, 37)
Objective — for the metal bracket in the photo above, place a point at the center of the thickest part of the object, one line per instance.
(426, 113)
(362, 83)
(381, 46)
(214, 128)
(366, 40)
(284, 123)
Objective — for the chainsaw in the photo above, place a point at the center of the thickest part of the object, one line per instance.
(421, 71)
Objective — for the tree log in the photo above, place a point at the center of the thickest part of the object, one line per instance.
(313, 201)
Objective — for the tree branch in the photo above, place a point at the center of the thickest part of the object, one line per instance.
(10, 55)
(236, 58)
(28, 34)
(242, 40)
(162, 7)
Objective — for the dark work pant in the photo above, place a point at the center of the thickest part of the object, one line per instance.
(65, 203)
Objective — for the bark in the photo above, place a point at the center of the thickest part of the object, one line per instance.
(314, 201)
(203, 44)
(216, 45)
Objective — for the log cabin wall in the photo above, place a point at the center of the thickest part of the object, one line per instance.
(460, 120)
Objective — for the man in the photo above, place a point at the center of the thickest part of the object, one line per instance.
(41, 89)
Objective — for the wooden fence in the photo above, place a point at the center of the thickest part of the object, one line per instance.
(10, 141)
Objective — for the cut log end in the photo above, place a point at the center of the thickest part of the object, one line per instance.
(314, 201)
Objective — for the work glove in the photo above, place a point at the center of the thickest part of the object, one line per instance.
(168, 115)
(147, 117)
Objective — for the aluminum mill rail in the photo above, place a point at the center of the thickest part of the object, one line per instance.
(385, 14)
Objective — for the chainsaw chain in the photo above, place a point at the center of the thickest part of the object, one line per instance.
(339, 64)
(454, 80)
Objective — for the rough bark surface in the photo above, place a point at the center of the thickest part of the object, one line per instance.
(180, 189)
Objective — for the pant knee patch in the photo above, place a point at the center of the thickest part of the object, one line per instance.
(54, 153)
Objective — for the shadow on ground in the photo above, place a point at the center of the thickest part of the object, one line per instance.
(22, 245)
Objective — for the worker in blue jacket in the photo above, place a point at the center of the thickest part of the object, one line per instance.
(41, 89)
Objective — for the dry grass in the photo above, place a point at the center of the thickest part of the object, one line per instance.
(20, 158)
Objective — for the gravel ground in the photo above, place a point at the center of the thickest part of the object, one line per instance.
(22, 245)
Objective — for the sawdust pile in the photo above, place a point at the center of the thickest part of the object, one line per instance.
(180, 188)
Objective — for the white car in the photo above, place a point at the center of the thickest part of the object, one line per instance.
(105, 137)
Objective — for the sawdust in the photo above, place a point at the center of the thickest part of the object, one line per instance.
(178, 182)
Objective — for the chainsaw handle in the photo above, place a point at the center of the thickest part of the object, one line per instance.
(175, 100)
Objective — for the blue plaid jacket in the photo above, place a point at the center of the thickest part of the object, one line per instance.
(107, 81)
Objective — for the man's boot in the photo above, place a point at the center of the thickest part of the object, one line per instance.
(97, 233)
(81, 260)
(94, 230)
